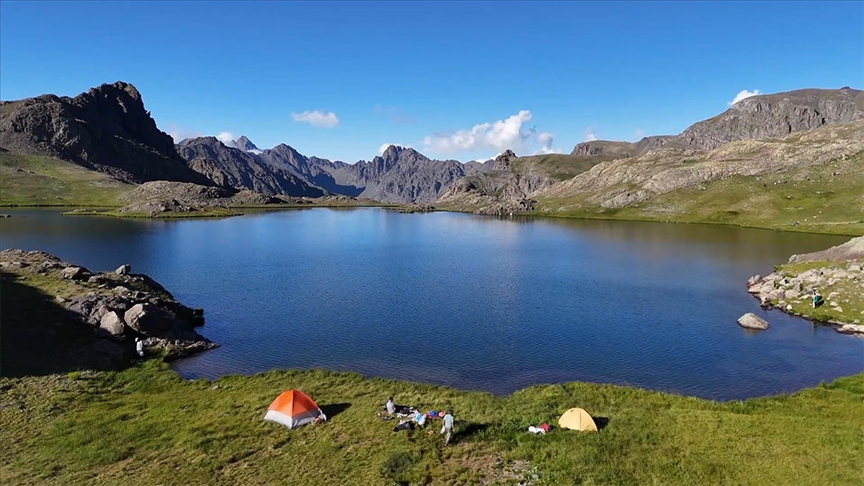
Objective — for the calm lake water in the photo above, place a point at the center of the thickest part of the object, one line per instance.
(472, 302)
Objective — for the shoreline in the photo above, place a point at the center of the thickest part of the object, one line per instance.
(402, 208)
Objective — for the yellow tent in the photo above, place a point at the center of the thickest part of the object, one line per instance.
(577, 419)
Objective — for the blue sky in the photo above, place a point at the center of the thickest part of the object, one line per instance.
(461, 80)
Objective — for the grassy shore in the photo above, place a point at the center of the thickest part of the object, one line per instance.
(145, 425)
(148, 426)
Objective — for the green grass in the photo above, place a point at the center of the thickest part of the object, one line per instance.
(558, 166)
(148, 425)
(145, 425)
(787, 201)
(42, 181)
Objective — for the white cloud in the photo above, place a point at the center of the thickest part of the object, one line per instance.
(179, 133)
(743, 94)
(317, 118)
(383, 147)
(227, 138)
(499, 135)
(639, 134)
(589, 135)
(545, 140)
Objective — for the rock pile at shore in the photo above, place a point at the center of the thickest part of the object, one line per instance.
(118, 305)
(839, 284)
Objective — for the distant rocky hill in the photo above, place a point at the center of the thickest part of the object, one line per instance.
(105, 129)
(773, 116)
(399, 175)
(233, 167)
(753, 118)
(630, 181)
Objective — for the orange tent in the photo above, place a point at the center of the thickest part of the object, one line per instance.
(293, 408)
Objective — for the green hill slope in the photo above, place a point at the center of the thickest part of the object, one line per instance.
(27, 180)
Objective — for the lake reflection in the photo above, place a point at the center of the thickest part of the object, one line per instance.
(474, 302)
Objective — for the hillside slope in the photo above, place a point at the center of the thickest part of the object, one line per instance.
(29, 180)
(776, 183)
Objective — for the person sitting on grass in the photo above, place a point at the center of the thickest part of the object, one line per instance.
(391, 408)
(817, 299)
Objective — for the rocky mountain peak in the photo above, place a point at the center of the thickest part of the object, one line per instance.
(502, 161)
(244, 144)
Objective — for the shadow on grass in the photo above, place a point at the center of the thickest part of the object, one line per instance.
(469, 431)
(601, 422)
(334, 409)
(39, 337)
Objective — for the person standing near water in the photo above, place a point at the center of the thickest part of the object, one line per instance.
(447, 430)
(139, 347)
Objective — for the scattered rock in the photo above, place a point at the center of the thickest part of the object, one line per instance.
(752, 321)
(121, 289)
(123, 269)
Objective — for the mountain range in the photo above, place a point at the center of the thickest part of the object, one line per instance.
(108, 129)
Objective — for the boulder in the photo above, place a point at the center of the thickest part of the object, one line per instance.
(752, 321)
(123, 269)
(75, 273)
(791, 294)
(757, 279)
(112, 323)
(121, 289)
(149, 319)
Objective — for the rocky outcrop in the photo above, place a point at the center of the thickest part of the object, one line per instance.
(752, 321)
(105, 129)
(239, 169)
(839, 286)
(774, 116)
(119, 307)
(175, 196)
(502, 162)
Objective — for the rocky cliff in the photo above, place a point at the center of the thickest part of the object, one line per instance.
(773, 116)
(105, 129)
(236, 168)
